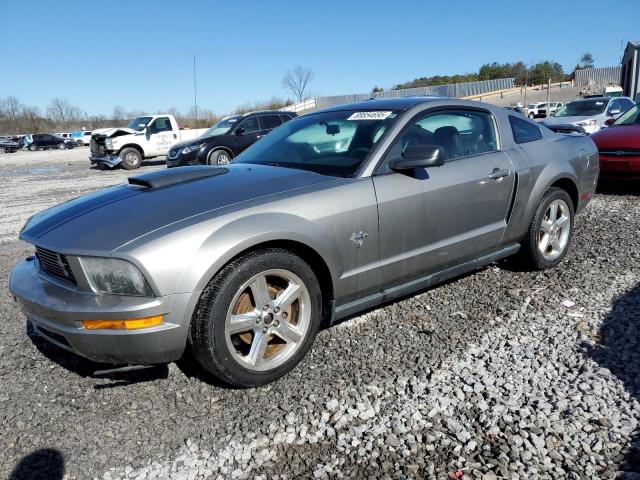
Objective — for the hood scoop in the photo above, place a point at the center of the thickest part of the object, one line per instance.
(174, 176)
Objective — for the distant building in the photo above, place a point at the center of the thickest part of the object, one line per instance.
(630, 73)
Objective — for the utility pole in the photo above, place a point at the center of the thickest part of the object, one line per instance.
(526, 81)
(548, 97)
(195, 91)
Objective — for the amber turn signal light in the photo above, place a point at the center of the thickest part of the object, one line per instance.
(131, 324)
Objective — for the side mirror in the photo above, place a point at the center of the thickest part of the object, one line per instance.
(239, 131)
(419, 156)
(609, 121)
(613, 112)
(142, 125)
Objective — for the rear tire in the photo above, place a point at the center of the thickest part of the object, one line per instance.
(131, 158)
(79, 143)
(219, 157)
(3, 150)
(33, 148)
(550, 232)
(241, 333)
(61, 146)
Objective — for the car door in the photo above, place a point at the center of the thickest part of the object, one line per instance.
(439, 217)
(50, 141)
(246, 133)
(160, 136)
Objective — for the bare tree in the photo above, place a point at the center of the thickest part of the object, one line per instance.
(119, 113)
(58, 110)
(297, 81)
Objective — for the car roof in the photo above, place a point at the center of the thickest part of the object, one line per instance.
(399, 103)
(598, 99)
(257, 112)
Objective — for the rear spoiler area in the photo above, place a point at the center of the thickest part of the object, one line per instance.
(567, 129)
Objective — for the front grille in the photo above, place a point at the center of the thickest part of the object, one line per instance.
(620, 152)
(97, 148)
(55, 264)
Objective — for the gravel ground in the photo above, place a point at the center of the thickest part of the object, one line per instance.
(499, 374)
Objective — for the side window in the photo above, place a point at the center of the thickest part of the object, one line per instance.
(250, 125)
(625, 104)
(161, 124)
(271, 121)
(459, 133)
(524, 131)
(614, 105)
(285, 118)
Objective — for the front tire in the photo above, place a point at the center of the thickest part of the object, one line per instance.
(219, 157)
(33, 148)
(3, 150)
(531, 116)
(131, 158)
(257, 318)
(79, 143)
(550, 232)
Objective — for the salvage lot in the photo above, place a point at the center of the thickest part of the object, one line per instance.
(501, 373)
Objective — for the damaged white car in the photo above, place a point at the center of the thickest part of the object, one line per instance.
(144, 137)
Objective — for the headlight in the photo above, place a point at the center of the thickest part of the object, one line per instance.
(115, 276)
(108, 143)
(192, 148)
(587, 123)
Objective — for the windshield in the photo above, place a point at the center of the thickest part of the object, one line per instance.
(630, 117)
(139, 123)
(222, 127)
(584, 108)
(332, 143)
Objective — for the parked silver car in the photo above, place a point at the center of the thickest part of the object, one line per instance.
(589, 113)
(331, 213)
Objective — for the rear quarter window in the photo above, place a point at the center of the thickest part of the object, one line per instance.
(523, 130)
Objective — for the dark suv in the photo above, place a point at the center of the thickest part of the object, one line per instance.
(42, 141)
(226, 139)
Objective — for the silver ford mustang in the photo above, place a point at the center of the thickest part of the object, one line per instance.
(331, 213)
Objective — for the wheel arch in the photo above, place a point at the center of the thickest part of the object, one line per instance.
(317, 263)
(569, 186)
(132, 145)
(220, 147)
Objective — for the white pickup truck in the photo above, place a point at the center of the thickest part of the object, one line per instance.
(145, 137)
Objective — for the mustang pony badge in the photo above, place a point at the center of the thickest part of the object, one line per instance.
(358, 238)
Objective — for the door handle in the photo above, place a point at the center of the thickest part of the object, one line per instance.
(497, 173)
(175, 135)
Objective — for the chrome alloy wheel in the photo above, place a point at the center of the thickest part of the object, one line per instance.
(223, 159)
(555, 228)
(268, 319)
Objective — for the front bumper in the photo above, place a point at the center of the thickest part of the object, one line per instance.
(183, 160)
(56, 312)
(107, 159)
(619, 166)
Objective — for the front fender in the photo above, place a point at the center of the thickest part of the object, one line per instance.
(247, 232)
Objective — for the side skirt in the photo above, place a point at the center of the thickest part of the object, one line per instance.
(421, 283)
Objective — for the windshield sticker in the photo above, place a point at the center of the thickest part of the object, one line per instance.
(369, 116)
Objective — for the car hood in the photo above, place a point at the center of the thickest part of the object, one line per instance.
(619, 136)
(114, 132)
(195, 141)
(99, 223)
(567, 120)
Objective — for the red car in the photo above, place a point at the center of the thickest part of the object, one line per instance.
(619, 146)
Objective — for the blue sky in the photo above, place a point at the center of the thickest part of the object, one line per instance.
(138, 54)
